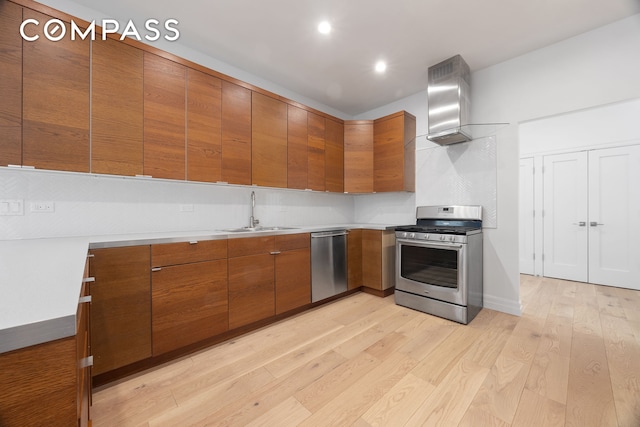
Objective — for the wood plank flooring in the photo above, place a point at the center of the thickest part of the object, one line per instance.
(571, 359)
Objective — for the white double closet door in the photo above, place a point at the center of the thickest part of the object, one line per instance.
(591, 216)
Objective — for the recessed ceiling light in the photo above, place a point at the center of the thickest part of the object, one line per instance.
(324, 27)
(381, 66)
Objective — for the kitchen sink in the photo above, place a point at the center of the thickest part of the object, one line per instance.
(249, 229)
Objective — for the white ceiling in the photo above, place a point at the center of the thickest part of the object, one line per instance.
(277, 39)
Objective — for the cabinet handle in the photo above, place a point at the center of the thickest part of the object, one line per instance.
(595, 223)
(581, 223)
(88, 279)
(90, 255)
(86, 362)
(84, 299)
(193, 242)
(156, 269)
(274, 252)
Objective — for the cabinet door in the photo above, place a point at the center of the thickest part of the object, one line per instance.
(165, 254)
(10, 84)
(316, 152)
(394, 153)
(236, 134)
(358, 156)
(372, 259)
(189, 304)
(268, 141)
(334, 156)
(297, 156)
(116, 109)
(83, 397)
(164, 117)
(120, 307)
(204, 127)
(354, 259)
(55, 101)
(293, 279)
(251, 289)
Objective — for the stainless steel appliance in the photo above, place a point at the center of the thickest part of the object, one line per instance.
(439, 262)
(328, 264)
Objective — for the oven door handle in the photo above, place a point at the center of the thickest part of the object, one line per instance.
(430, 244)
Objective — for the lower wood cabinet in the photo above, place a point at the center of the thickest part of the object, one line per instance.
(268, 275)
(120, 307)
(189, 299)
(49, 384)
(354, 259)
(378, 259)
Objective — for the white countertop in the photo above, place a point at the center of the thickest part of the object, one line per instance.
(40, 279)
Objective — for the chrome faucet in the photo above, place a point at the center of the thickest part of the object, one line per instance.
(252, 220)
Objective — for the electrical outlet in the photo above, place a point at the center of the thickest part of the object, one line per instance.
(42, 207)
(11, 207)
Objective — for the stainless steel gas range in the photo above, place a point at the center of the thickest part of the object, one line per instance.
(439, 262)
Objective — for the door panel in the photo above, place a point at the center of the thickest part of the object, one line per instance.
(526, 217)
(565, 209)
(614, 217)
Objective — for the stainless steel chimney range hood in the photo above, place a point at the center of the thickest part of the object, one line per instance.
(448, 96)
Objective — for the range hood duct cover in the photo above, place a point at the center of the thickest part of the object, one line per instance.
(448, 96)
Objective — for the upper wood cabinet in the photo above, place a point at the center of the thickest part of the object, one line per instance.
(334, 156)
(394, 152)
(116, 108)
(55, 106)
(297, 156)
(10, 84)
(358, 156)
(316, 151)
(236, 134)
(164, 117)
(204, 127)
(268, 141)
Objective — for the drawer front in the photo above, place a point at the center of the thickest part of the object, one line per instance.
(251, 246)
(289, 242)
(187, 252)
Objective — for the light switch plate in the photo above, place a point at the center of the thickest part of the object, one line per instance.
(11, 207)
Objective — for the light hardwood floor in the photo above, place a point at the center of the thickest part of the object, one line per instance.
(571, 359)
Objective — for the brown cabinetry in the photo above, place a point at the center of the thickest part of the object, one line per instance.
(164, 117)
(293, 271)
(394, 152)
(334, 156)
(116, 108)
(267, 275)
(297, 156)
(268, 141)
(49, 384)
(10, 84)
(378, 259)
(354, 259)
(189, 293)
(358, 156)
(316, 151)
(204, 127)
(121, 307)
(55, 103)
(236, 134)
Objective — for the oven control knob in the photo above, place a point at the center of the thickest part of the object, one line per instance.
(412, 235)
(442, 237)
(404, 234)
(426, 237)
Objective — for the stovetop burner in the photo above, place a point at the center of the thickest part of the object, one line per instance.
(462, 230)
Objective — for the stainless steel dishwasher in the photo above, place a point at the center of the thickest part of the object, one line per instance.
(328, 264)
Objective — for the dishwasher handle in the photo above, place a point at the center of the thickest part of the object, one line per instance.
(329, 233)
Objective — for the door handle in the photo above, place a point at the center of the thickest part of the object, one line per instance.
(580, 224)
(594, 224)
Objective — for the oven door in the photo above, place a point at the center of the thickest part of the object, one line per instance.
(432, 269)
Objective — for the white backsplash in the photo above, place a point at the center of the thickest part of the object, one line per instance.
(86, 204)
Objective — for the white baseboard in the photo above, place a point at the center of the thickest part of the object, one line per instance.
(502, 304)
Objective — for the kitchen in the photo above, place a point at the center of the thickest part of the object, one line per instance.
(89, 205)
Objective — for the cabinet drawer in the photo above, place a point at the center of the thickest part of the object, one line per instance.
(187, 252)
(288, 242)
(251, 246)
